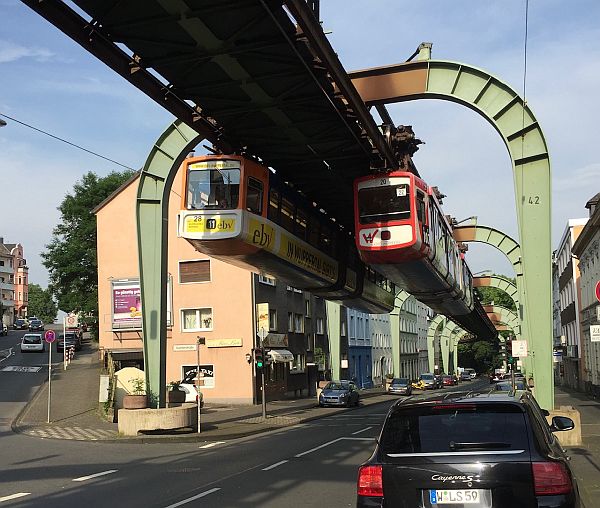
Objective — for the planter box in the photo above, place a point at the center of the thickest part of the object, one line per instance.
(135, 402)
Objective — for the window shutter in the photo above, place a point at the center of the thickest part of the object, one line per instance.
(194, 271)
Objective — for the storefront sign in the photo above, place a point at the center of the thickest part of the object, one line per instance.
(595, 333)
(276, 340)
(224, 342)
(207, 374)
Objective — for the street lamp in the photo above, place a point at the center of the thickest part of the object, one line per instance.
(199, 342)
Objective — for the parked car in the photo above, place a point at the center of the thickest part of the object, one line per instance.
(3, 329)
(400, 386)
(20, 324)
(465, 376)
(481, 451)
(339, 393)
(448, 380)
(36, 325)
(507, 386)
(428, 380)
(495, 377)
(188, 385)
(32, 342)
(69, 339)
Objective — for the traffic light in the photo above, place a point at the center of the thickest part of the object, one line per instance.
(509, 352)
(258, 358)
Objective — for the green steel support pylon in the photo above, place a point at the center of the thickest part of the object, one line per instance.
(506, 111)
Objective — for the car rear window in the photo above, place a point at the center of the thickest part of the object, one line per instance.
(454, 428)
(28, 339)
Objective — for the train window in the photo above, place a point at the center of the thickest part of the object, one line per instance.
(213, 184)
(254, 196)
(274, 205)
(313, 231)
(380, 204)
(420, 207)
(287, 214)
(325, 236)
(301, 222)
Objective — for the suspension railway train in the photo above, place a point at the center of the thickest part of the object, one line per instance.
(237, 210)
(401, 231)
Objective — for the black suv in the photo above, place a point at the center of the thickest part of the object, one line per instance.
(492, 450)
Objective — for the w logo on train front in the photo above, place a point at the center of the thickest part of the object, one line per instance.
(368, 238)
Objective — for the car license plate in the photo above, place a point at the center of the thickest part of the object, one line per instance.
(466, 496)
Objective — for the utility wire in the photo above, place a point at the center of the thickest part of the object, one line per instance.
(67, 142)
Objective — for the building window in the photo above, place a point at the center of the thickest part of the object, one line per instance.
(298, 363)
(194, 271)
(266, 279)
(196, 320)
(343, 329)
(320, 327)
(290, 322)
(272, 319)
(307, 308)
(298, 323)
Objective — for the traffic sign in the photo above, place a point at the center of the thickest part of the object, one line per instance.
(71, 321)
(49, 336)
(598, 290)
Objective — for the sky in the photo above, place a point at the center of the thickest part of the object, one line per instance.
(50, 82)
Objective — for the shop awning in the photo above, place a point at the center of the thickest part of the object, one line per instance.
(281, 355)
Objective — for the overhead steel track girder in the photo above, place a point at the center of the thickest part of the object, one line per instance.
(502, 315)
(518, 127)
(432, 335)
(236, 68)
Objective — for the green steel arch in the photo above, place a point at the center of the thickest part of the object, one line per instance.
(499, 314)
(493, 281)
(432, 334)
(449, 329)
(455, 340)
(152, 209)
(518, 127)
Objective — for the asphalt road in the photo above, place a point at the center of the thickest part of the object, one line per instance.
(313, 464)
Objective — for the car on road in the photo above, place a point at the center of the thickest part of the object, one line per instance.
(428, 380)
(507, 386)
(32, 343)
(465, 376)
(470, 451)
(20, 324)
(3, 329)
(448, 380)
(36, 325)
(339, 393)
(400, 386)
(70, 339)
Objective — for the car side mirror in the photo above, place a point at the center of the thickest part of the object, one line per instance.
(561, 423)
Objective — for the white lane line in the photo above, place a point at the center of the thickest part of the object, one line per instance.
(89, 477)
(14, 496)
(319, 447)
(273, 466)
(361, 430)
(193, 498)
(210, 445)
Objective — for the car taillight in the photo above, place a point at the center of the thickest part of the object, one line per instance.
(551, 479)
(370, 481)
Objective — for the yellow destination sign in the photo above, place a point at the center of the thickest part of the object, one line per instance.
(308, 258)
(212, 224)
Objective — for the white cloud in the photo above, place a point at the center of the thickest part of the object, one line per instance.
(10, 52)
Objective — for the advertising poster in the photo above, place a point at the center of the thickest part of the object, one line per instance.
(127, 303)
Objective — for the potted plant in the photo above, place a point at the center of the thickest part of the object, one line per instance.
(175, 394)
(137, 399)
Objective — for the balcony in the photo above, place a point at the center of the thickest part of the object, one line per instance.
(7, 286)
(7, 269)
(7, 303)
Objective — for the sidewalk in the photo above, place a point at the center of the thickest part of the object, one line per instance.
(585, 460)
(75, 414)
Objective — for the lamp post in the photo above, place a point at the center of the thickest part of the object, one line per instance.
(199, 342)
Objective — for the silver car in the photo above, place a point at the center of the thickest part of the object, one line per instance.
(339, 393)
(32, 342)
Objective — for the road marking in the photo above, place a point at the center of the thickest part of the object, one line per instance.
(193, 498)
(210, 445)
(20, 368)
(273, 466)
(89, 477)
(14, 496)
(319, 447)
(361, 430)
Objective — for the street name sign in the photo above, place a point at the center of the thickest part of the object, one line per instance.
(595, 333)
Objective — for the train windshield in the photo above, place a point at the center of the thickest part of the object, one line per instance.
(385, 203)
(213, 184)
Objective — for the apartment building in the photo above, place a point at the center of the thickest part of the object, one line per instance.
(359, 348)
(211, 299)
(570, 298)
(587, 249)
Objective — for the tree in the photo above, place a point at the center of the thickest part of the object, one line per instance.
(41, 303)
(71, 256)
(487, 295)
